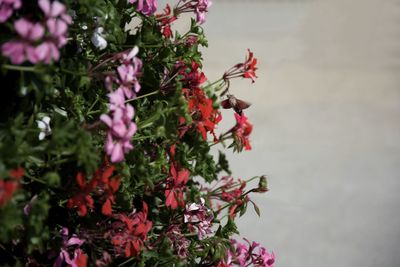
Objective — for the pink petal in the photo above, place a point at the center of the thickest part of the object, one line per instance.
(109, 146)
(23, 27)
(5, 13)
(106, 119)
(32, 54)
(55, 54)
(37, 32)
(43, 51)
(45, 6)
(117, 153)
(15, 51)
(119, 128)
(74, 241)
(57, 9)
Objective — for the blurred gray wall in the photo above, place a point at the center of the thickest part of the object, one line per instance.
(326, 110)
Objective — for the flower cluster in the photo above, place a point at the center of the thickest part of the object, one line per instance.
(40, 41)
(121, 170)
(121, 128)
(247, 69)
(205, 116)
(175, 185)
(101, 183)
(245, 255)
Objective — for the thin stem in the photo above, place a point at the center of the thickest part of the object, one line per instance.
(92, 106)
(142, 96)
(73, 72)
(213, 83)
(20, 68)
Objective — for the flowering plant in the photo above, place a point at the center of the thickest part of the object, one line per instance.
(105, 136)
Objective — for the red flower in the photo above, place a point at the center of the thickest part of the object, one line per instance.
(250, 67)
(8, 187)
(130, 231)
(82, 200)
(241, 132)
(165, 19)
(175, 186)
(103, 183)
(245, 70)
(17, 173)
(205, 116)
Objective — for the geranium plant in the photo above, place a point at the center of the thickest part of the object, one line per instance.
(105, 137)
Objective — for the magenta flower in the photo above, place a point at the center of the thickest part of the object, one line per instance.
(246, 255)
(146, 7)
(64, 255)
(201, 9)
(7, 8)
(20, 50)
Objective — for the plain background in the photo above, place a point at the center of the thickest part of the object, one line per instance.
(326, 111)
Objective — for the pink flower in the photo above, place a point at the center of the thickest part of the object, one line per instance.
(46, 52)
(55, 10)
(20, 50)
(7, 8)
(268, 259)
(200, 7)
(246, 255)
(121, 128)
(30, 33)
(199, 218)
(146, 7)
(73, 241)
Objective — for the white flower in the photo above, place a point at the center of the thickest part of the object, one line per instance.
(44, 126)
(98, 39)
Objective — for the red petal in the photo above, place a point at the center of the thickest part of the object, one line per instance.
(106, 209)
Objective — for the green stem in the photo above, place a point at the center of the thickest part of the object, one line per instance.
(92, 106)
(127, 261)
(20, 68)
(151, 46)
(73, 72)
(141, 138)
(213, 83)
(142, 96)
